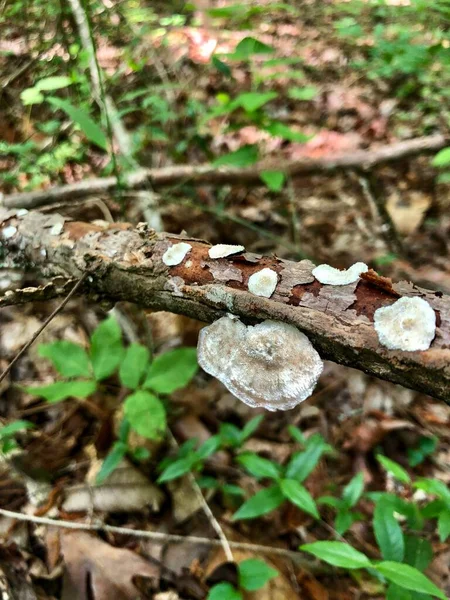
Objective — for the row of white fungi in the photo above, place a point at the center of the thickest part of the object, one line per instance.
(274, 365)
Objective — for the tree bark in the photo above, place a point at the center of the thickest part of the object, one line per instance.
(125, 263)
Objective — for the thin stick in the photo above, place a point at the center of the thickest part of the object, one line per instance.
(44, 325)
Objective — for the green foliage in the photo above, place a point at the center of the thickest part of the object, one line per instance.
(388, 532)
(244, 157)
(233, 437)
(259, 467)
(224, 591)
(273, 179)
(254, 574)
(69, 359)
(8, 432)
(408, 577)
(261, 503)
(394, 469)
(172, 370)
(134, 366)
(91, 130)
(338, 554)
(188, 459)
(426, 447)
(61, 390)
(345, 517)
(146, 414)
(106, 348)
(296, 493)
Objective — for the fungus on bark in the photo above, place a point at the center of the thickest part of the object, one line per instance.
(271, 365)
(176, 254)
(263, 283)
(331, 276)
(224, 250)
(409, 324)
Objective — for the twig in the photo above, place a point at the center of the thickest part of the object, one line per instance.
(44, 325)
(163, 538)
(49, 291)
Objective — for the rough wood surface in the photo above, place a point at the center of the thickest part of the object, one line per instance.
(125, 263)
(361, 160)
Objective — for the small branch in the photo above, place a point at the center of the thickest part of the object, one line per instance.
(361, 160)
(49, 291)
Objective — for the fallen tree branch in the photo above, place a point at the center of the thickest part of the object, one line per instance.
(128, 266)
(361, 160)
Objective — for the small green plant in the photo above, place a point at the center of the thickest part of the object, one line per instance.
(253, 574)
(8, 433)
(345, 517)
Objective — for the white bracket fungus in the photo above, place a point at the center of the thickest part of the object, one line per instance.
(176, 253)
(409, 324)
(331, 276)
(224, 250)
(263, 283)
(271, 364)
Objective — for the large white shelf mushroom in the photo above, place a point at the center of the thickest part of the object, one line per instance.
(409, 324)
(271, 364)
(331, 276)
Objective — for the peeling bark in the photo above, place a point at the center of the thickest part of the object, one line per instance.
(125, 263)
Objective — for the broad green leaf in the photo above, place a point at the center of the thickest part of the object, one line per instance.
(208, 447)
(260, 504)
(172, 370)
(388, 532)
(435, 487)
(338, 554)
(49, 84)
(442, 158)
(106, 348)
(14, 427)
(146, 414)
(353, 490)
(134, 365)
(303, 93)
(61, 390)
(221, 66)
(273, 179)
(89, 127)
(254, 574)
(303, 463)
(394, 592)
(140, 453)
(297, 435)
(230, 435)
(251, 101)
(250, 46)
(344, 520)
(408, 577)
(281, 130)
(31, 96)
(444, 525)
(330, 501)
(258, 466)
(177, 469)
(111, 461)
(244, 157)
(394, 469)
(299, 495)
(232, 490)
(69, 359)
(224, 591)
(251, 427)
(418, 552)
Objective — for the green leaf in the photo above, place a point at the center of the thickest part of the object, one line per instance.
(140, 453)
(146, 414)
(230, 435)
(299, 495)
(353, 490)
(134, 365)
(394, 592)
(31, 96)
(254, 574)
(408, 578)
(444, 525)
(232, 490)
(442, 158)
(418, 552)
(344, 520)
(303, 93)
(273, 179)
(297, 435)
(338, 554)
(260, 504)
(89, 127)
(251, 427)
(111, 462)
(69, 359)
(281, 130)
(303, 463)
(177, 469)
(61, 390)
(244, 157)
(388, 532)
(209, 447)
(49, 84)
(251, 101)
(14, 427)
(250, 46)
(224, 591)
(106, 348)
(435, 487)
(172, 370)
(221, 66)
(394, 468)
(258, 466)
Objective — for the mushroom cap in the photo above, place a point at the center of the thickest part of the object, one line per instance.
(271, 364)
(223, 250)
(263, 283)
(176, 253)
(331, 276)
(409, 324)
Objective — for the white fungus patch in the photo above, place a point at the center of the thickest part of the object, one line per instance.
(8, 232)
(57, 229)
(224, 250)
(263, 283)
(271, 364)
(330, 276)
(409, 324)
(176, 253)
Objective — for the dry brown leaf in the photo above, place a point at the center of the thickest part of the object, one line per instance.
(407, 210)
(97, 571)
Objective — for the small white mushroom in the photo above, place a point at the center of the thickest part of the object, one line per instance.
(57, 228)
(224, 250)
(8, 232)
(263, 283)
(331, 276)
(409, 324)
(271, 364)
(176, 253)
